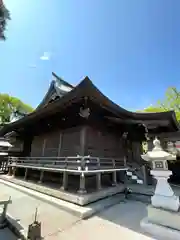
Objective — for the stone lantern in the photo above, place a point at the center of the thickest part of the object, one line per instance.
(163, 218)
(164, 195)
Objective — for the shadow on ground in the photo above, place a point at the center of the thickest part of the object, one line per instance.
(127, 215)
(6, 234)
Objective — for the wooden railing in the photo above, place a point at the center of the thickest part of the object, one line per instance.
(72, 163)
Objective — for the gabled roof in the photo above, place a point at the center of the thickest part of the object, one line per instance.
(58, 88)
(87, 89)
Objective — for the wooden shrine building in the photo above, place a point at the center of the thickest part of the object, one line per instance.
(79, 138)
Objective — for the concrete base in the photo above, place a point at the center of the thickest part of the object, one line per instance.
(166, 202)
(79, 199)
(82, 212)
(164, 217)
(158, 231)
(162, 223)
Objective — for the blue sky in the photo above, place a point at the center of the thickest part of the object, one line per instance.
(130, 49)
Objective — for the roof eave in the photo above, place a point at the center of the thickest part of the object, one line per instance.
(87, 89)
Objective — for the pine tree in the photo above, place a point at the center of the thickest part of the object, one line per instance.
(4, 17)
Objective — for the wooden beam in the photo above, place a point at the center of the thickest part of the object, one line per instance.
(150, 123)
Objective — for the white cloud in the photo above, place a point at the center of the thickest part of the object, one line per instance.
(45, 56)
(32, 66)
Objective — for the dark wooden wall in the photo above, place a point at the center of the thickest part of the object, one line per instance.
(70, 142)
(103, 143)
(57, 143)
(80, 140)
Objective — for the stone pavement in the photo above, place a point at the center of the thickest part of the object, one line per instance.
(23, 208)
(120, 221)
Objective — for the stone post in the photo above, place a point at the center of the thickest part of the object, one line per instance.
(34, 229)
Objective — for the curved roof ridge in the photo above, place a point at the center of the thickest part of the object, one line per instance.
(61, 80)
(132, 114)
(50, 89)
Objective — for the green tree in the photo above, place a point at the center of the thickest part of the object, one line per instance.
(12, 107)
(171, 101)
(4, 17)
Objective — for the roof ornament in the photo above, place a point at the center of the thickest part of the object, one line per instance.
(84, 112)
(157, 144)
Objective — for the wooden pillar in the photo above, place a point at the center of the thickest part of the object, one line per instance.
(65, 181)
(9, 171)
(41, 177)
(98, 176)
(26, 173)
(2, 165)
(43, 147)
(82, 184)
(114, 178)
(98, 181)
(114, 174)
(6, 168)
(83, 134)
(14, 171)
(60, 144)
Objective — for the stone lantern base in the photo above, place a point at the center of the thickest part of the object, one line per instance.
(164, 196)
(163, 219)
(161, 223)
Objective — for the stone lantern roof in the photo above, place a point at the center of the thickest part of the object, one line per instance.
(158, 153)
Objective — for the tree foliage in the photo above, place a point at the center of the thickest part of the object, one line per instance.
(171, 101)
(4, 17)
(12, 107)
